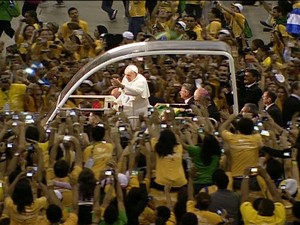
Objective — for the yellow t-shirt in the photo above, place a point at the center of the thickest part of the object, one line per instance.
(66, 32)
(213, 28)
(204, 217)
(101, 153)
(14, 97)
(243, 150)
(250, 215)
(137, 8)
(30, 217)
(169, 169)
(237, 21)
(66, 193)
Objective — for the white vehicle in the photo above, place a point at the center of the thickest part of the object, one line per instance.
(139, 50)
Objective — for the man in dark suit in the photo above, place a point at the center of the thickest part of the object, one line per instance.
(202, 99)
(269, 98)
(250, 93)
(292, 104)
(187, 93)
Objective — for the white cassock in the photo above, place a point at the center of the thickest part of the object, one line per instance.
(134, 97)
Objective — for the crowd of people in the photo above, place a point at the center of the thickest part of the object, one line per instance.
(186, 158)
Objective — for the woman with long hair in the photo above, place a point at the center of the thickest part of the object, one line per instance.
(205, 157)
(21, 205)
(169, 168)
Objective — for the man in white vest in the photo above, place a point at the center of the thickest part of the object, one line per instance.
(134, 92)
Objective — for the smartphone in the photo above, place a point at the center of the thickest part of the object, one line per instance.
(256, 128)
(260, 124)
(200, 130)
(163, 125)
(9, 145)
(67, 138)
(122, 128)
(287, 154)
(29, 174)
(29, 71)
(282, 187)
(195, 119)
(216, 133)
(72, 113)
(134, 173)
(28, 117)
(48, 130)
(253, 170)
(108, 173)
(265, 133)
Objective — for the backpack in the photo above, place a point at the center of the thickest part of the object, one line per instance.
(13, 8)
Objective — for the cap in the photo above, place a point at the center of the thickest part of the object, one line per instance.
(182, 24)
(88, 82)
(291, 186)
(224, 31)
(131, 68)
(128, 35)
(239, 6)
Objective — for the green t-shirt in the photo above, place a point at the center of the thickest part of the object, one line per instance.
(204, 173)
(122, 219)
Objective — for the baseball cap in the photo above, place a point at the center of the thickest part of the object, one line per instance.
(224, 31)
(239, 6)
(182, 24)
(128, 35)
(88, 82)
